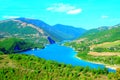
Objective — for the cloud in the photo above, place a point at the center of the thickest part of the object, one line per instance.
(64, 8)
(10, 17)
(104, 17)
(75, 11)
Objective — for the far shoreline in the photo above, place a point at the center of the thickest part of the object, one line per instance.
(106, 65)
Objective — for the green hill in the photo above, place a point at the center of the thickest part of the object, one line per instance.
(17, 29)
(16, 36)
(15, 45)
(102, 34)
(24, 67)
(100, 45)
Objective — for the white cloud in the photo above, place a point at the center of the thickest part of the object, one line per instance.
(104, 17)
(10, 17)
(75, 11)
(64, 8)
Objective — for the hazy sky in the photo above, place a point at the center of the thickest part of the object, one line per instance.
(79, 13)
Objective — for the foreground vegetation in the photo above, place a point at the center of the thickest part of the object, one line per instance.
(24, 67)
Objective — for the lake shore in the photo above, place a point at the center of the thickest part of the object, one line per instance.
(106, 65)
(114, 67)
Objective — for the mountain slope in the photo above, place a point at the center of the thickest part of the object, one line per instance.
(69, 31)
(28, 32)
(102, 34)
(55, 32)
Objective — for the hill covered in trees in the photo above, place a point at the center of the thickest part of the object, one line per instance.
(15, 45)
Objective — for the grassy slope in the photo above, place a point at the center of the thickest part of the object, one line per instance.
(107, 44)
(106, 47)
(23, 67)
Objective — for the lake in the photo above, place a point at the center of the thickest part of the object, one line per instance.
(64, 55)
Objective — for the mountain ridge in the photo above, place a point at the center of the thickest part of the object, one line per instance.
(52, 30)
(102, 34)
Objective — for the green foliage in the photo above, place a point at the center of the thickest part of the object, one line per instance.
(111, 49)
(30, 67)
(102, 35)
(13, 45)
(118, 74)
(1, 53)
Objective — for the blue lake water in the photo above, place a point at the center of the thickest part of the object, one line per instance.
(63, 54)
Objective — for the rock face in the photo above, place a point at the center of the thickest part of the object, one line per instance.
(50, 40)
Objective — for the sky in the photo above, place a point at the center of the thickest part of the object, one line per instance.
(86, 14)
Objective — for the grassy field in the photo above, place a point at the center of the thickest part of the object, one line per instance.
(106, 44)
(104, 53)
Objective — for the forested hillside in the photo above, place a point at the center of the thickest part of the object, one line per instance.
(15, 45)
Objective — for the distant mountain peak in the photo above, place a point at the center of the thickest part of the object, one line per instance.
(103, 28)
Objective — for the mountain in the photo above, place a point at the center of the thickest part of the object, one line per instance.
(33, 32)
(22, 30)
(16, 36)
(56, 32)
(69, 31)
(102, 34)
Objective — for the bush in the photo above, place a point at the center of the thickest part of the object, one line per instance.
(118, 73)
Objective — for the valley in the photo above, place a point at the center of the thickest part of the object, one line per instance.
(59, 39)
(97, 51)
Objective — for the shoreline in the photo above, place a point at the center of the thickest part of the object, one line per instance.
(106, 65)
(114, 67)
